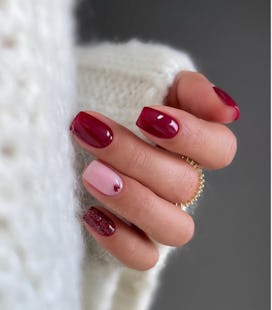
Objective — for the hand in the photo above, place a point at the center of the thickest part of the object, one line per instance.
(139, 182)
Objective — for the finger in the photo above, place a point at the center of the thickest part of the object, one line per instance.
(162, 172)
(212, 145)
(158, 218)
(129, 245)
(194, 93)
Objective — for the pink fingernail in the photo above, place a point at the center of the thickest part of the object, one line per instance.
(103, 178)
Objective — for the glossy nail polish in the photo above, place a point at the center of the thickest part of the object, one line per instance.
(104, 179)
(99, 221)
(91, 130)
(157, 123)
(227, 100)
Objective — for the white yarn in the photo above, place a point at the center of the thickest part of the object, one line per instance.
(41, 244)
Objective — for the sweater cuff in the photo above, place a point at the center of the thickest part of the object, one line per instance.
(118, 79)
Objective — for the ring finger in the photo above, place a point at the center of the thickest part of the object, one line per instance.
(157, 217)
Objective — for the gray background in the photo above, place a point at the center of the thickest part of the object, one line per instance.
(226, 266)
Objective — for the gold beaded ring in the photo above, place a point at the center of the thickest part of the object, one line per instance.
(185, 205)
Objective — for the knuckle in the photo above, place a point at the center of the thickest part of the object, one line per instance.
(131, 250)
(186, 233)
(138, 159)
(197, 139)
(230, 150)
(145, 210)
(199, 76)
(193, 184)
(138, 261)
(195, 76)
(190, 229)
(151, 259)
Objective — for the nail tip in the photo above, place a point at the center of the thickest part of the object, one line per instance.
(138, 123)
(238, 113)
(228, 100)
(99, 221)
(72, 124)
(85, 218)
(91, 130)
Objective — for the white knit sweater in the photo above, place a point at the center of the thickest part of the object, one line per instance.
(46, 260)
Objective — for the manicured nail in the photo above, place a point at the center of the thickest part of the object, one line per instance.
(91, 130)
(99, 221)
(228, 101)
(103, 178)
(157, 123)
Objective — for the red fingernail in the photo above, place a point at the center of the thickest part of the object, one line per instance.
(91, 130)
(157, 123)
(100, 222)
(227, 100)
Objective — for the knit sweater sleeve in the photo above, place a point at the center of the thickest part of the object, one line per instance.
(118, 80)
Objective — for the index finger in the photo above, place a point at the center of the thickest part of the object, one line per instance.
(194, 93)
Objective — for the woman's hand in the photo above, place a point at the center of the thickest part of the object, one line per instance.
(140, 182)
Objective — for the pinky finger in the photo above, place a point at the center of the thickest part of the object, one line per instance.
(128, 244)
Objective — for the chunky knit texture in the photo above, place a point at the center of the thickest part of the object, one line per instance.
(41, 255)
(41, 244)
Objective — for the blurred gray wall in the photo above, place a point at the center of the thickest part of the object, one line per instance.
(226, 266)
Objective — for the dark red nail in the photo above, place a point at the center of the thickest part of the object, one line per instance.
(100, 222)
(227, 100)
(91, 130)
(157, 123)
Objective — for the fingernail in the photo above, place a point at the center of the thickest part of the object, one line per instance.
(99, 221)
(228, 101)
(103, 178)
(91, 130)
(157, 123)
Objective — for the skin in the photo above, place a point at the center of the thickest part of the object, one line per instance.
(146, 198)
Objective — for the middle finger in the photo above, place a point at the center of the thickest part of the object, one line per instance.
(162, 172)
